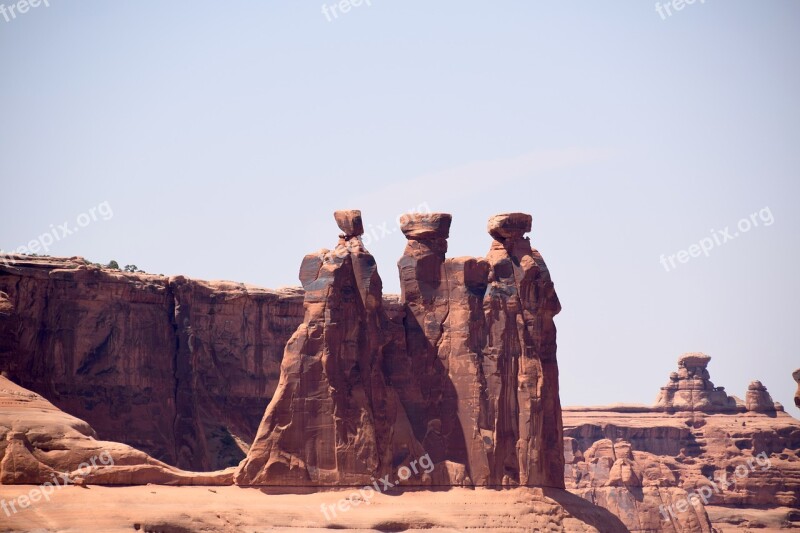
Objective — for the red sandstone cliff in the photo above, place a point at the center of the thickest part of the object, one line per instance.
(39, 444)
(179, 368)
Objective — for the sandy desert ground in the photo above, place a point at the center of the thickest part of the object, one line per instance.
(161, 509)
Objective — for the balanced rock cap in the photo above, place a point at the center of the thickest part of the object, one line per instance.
(349, 221)
(693, 360)
(419, 226)
(509, 226)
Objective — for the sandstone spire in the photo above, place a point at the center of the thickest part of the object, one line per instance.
(483, 392)
(333, 420)
(520, 359)
(446, 400)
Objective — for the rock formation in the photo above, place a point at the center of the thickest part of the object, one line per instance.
(440, 377)
(333, 420)
(638, 487)
(796, 376)
(520, 360)
(181, 369)
(695, 439)
(691, 389)
(461, 367)
(41, 444)
(479, 378)
(758, 399)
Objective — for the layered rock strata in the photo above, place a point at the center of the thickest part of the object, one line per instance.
(691, 389)
(730, 454)
(333, 420)
(480, 340)
(440, 376)
(39, 444)
(796, 376)
(181, 369)
(520, 361)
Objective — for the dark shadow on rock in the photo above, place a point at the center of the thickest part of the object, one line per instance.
(595, 516)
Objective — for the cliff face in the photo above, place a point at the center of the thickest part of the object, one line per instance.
(181, 369)
(40, 444)
(695, 448)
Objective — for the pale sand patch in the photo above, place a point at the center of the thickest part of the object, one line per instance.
(733, 520)
(165, 509)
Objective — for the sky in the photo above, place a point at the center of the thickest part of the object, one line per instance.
(215, 140)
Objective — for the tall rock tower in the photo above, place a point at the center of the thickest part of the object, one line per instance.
(333, 420)
(480, 378)
(520, 360)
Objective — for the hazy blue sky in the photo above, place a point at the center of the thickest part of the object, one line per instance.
(223, 135)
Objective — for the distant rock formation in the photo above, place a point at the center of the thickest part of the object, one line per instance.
(696, 439)
(333, 420)
(758, 399)
(796, 376)
(691, 389)
(633, 485)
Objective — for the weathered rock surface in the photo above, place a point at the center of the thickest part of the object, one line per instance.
(479, 379)
(520, 361)
(333, 420)
(41, 444)
(440, 377)
(635, 486)
(179, 368)
(758, 399)
(747, 456)
(796, 376)
(691, 389)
